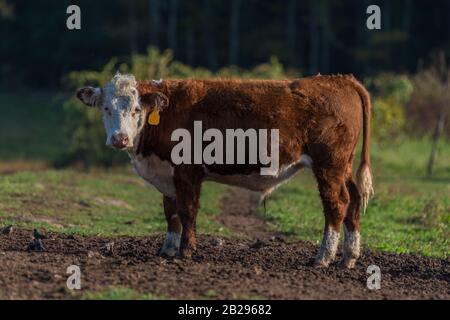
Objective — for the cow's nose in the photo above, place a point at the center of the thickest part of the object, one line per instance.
(119, 140)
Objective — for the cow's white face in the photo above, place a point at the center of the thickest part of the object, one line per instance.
(123, 115)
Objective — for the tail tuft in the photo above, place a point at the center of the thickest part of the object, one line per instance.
(364, 183)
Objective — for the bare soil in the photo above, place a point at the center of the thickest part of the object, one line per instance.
(224, 268)
(239, 214)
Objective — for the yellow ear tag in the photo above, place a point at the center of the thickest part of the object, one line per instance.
(153, 118)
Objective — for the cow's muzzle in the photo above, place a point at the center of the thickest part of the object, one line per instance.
(119, 141)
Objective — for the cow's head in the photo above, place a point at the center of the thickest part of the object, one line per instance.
(124, 109)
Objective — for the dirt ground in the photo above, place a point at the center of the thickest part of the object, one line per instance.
(276, 267)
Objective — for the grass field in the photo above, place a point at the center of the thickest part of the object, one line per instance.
(31, 127)
(98, 202)
(410, 213)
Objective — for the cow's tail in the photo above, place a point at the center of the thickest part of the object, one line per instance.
(364, 175)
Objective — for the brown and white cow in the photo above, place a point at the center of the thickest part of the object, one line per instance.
(319, 121)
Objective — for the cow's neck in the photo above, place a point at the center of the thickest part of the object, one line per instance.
(148, 142)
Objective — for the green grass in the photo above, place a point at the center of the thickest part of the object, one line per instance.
(100, 202)
(31, 126)
(124, 293)
(409, 158)
(119, 293)
(409, 213)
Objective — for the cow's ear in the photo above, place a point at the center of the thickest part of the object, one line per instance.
(155, 99)
(90, 96)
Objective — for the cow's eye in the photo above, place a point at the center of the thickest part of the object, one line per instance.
(137, 110)
(106, 108)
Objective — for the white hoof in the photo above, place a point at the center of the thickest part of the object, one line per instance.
(328, 248)
(347, 263)
(171, 245)
(351, 248)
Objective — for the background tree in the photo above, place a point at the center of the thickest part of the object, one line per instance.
(235, 7)
(329, 36)
(172, 25)
(153, 6)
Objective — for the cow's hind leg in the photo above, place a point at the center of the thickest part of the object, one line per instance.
(171, 243)
(351, 227)
(335, 200)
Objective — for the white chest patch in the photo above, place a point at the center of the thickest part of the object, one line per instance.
(157, 172)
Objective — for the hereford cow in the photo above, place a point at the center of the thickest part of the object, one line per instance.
(319, 121)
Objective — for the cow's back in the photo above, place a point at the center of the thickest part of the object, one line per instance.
(304, 111)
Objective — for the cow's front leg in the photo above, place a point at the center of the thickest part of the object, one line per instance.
(171, 243)
(188, 185)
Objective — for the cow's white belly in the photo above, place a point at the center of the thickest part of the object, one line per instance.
(258, 182)
(157, 172)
